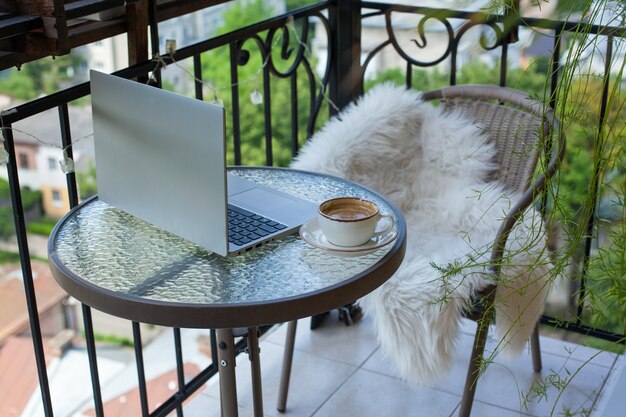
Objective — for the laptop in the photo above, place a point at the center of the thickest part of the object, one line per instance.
(161, 156)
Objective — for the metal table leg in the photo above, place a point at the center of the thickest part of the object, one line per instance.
(255, 369)
(290, 340)
(228, 383)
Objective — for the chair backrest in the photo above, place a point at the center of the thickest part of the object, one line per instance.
(517, 125)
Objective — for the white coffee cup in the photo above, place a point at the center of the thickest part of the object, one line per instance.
(351, 221)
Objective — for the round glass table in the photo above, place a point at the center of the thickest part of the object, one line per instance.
(121, 265)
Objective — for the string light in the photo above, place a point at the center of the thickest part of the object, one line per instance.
(67, 163)
(291, 27)
(256, 97)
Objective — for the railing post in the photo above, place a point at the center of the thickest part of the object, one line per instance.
(512, 14)
(346, 81)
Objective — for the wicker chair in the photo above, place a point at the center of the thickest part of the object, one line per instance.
(522, 130)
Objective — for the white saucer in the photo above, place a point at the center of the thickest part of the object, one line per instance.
(312, 234)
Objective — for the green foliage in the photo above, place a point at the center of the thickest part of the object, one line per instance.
(252, 117)
(607, 282)
(244, 13)
(531, 80)
(7, 228)
(604, 345)
(112, 339)
(42, 226)
(5, 192)
(43, 76)
(9, 257)
(19, 85)
(296, 4)
(30, 198)
(87, 181)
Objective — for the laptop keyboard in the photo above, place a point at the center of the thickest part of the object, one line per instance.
(245, 227)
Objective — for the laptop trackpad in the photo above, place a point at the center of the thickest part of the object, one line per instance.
(260, 201)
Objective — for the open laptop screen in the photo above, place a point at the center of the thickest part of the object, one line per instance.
(161, 157)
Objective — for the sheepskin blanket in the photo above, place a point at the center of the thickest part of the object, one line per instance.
(433, 166)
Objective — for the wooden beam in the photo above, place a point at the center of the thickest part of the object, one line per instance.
(179, 8)
(137, 20)
(38, 46)
(95, 31)
(36, 7)
(25, 38)
(10, 60)
(59, 30)
(52, 14)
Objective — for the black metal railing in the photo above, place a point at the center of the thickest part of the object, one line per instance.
(341, 81)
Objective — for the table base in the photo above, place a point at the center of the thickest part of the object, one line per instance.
(227, 363)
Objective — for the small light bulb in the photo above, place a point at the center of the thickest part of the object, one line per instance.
(256, 97)
(217, 100)
(67, 164)
(170, 46)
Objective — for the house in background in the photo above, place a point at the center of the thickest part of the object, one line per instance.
(51, 303)
(38, 152)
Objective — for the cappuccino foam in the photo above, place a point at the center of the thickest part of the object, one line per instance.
(348, 213)
(348, 209)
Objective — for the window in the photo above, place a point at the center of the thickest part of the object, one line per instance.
(56, 198)
(52, 164)
(22, 160)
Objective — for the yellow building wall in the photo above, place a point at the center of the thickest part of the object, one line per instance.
(51, 207)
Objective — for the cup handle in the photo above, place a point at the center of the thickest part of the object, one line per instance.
(389, 220)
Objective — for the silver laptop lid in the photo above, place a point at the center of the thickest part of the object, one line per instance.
(160, 156)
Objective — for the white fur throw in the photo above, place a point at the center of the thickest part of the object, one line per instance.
(432, 165)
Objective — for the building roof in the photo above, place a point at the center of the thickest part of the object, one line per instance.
(46, 127)
(13, 310)
(18, 378)
(159, 389)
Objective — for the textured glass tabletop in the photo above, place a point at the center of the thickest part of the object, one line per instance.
(102, 248)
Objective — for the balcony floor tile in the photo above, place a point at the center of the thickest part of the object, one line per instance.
(509, 383)
(332, 340)
(481, 409)
(367, 394)
(339, 370)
